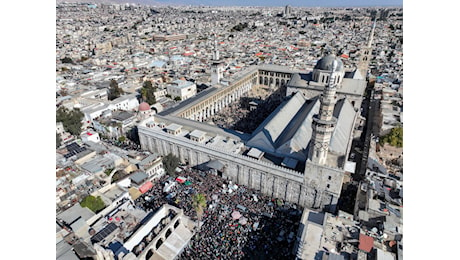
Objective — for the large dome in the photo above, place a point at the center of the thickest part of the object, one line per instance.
(326, 63)
(144, 106)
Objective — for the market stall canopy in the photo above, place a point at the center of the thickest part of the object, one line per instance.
(145, 187)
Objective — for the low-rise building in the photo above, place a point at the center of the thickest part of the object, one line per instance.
(153, 166)
(90, 136)
(115, 124)
(182, 89)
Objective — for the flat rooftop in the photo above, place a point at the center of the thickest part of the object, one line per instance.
(182, 83)
(213, 136)
(188, 102)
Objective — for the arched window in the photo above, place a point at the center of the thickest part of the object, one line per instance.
(168, 232)
(150, 253)
(159, 243)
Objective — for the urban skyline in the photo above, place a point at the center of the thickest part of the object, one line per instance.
(294, 3)
(259, 3)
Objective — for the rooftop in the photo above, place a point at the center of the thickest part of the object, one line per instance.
(366, 243)
(197, 133)
(138, 177)
(75, 212)
(123, 115)
(173, 127)
(182, 83)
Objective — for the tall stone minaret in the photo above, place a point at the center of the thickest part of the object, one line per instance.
(217, 70)
(324, 123)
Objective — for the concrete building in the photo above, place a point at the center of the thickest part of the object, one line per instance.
(90, 136)
(174, 37)
(114, 124)
(152, 165)
(182, 89)
(129, 233)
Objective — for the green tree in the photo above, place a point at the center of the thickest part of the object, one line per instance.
(170, 163)
(177, 98)
(121, 139)
(199, 204)
(58, 141)
(148, 92)
(108, 171)
(95, 204)
(67, 60)
(114, 90)
(394, 138)
(71, 120)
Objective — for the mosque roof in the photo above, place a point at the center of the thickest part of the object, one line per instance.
(288, 130)
(326, 63)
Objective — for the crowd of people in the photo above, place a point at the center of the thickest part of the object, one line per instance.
(237, 223)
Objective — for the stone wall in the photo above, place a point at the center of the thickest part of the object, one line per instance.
(318, 187)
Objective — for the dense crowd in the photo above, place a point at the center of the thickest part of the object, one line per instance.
(238, 222)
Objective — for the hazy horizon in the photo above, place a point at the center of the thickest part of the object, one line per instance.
(273, 3)
(261, 3)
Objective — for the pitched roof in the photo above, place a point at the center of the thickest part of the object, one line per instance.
(288, 130)
(345, 114)
(267, 134)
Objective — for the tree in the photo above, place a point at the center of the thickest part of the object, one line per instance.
(199, 204)
(133, 135)
(108, 171)
(114, 90)
(394, 138)
(95, 204)
(67, 60)
(148, 92)
(170, 163)
(71, 120)
(121, 139)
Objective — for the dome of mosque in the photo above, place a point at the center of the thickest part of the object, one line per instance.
(144, 106)
(326, 63)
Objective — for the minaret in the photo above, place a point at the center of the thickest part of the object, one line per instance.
(324, 123)
(216, 51)
(216, 67)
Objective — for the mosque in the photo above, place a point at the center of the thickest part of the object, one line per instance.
(298, 154)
